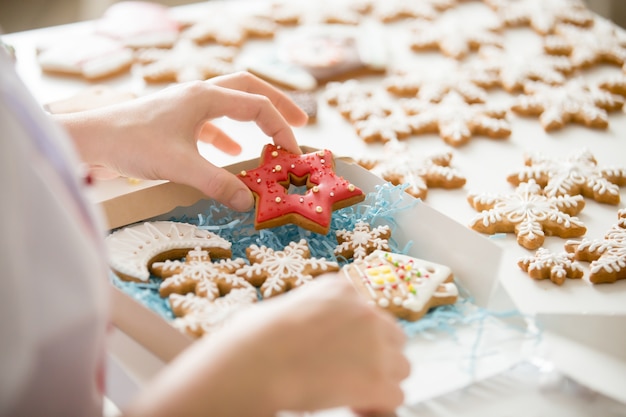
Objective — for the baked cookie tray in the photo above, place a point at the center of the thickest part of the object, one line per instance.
(461, 338)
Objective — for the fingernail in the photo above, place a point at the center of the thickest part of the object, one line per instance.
(242, 200)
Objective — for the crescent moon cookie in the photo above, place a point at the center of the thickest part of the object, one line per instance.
(276, 272)
(405, 286)
(133, 249)
(312, 210)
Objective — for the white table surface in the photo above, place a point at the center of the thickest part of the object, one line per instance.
(485, 163)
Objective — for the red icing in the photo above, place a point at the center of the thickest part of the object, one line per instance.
(316, 204)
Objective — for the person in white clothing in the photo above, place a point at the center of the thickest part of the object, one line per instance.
(316, 347)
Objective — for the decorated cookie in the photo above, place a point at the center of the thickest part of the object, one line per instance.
(228, 28)
(613, 83)
(133, 249)
(577, 174)
(93, 57)
(325, 190)
(139, 24)
(90, 98)
(435, 85)
(393, 10)
(515, 69)
(186, 61)
(529, 214)
(542, 15)
(556, 267)
(455, 120)
(390, 128)
(401, 165)
(405, 286)
(362, 240)
(607, 256)
(604, 42)
(576, 101)
(454, 36)
(198, 316)
(278, 271)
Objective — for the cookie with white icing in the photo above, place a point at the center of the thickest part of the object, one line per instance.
(134, 248)
(556, 267)
(405, 286)
(362, 240)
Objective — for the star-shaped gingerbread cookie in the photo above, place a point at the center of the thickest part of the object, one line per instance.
(529, 214)
(556, 267)
(278, 271)
(577, 174)
(576, 101)
(312, 210)
(607, 256)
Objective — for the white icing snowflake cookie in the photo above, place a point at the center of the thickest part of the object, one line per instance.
(278, 271)
(576, 101)
(133, 249)
(578, 174)
(405, 286)
(607, 256)
(529, 214)
(556, 267)
(362, 240)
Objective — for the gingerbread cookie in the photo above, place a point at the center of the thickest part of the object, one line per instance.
(390, 128)
(613, 83)
(454, 36)
(528, 213)
(276, 272)
(325, 190)
(198, 316)
(90, 56)
(362, 240)
(134, 248)
(139, 24)
(604, 42)
(337, 93)
(455, 120)
(90, 98)
(556, 267)
(407, 287)
(307, 101)
(400, 165)
(577, 174)
(542, 15)
(576, 101)
(515, 69)
(607, 256)
(394, 10)
(228, 28)
(186, 61)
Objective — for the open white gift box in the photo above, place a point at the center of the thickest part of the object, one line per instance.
(443, 359)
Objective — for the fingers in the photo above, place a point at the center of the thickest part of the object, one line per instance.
(244, 81)
(211, 134)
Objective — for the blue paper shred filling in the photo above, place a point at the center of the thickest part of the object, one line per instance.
(379, 207)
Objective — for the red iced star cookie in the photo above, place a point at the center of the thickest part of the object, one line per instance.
(325, 190)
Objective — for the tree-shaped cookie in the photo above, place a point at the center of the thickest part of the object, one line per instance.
(556, 267)
(604, 42)
(186, 61)
(577, 174)
(529, 214)
(401, 165)
(278, 271)
(607, 256)
(455, 120)
(454, 36)
(542, 15)
(515, 69)
(362, 240)
(576, 101)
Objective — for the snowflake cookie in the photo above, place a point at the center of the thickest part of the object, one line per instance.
(393, 10)
(455, 120)
(133, 249)
(400, 165)
(576, 101)
(529, 214)
(228, 29)
(542, 15)
(278, 271)
(556, 267)
(405, 286)
(363, 240)
(607, 256)
(390, 128)
(577, 174)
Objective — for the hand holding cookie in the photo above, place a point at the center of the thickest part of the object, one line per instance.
(163, 145)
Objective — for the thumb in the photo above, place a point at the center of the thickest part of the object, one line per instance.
(218, 184)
